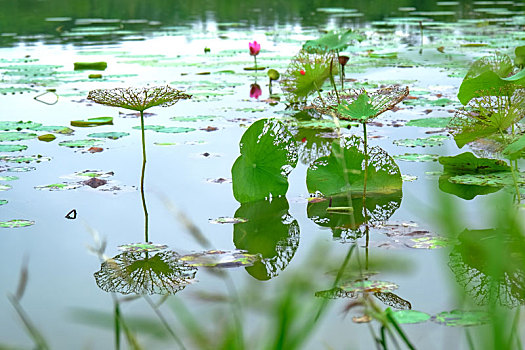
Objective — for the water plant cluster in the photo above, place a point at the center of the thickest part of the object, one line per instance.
(322, 128)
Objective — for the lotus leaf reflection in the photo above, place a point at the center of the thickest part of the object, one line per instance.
(144, 273)
(271, 232)
(472, 261)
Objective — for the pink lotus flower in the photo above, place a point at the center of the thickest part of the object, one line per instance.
(255, 91)
(255, 47)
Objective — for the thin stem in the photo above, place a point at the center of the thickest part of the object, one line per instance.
(515, 180)
(332, 81)
(319, 93)
(255, 58)
(164, 322)
(146, 237)
(117, 325)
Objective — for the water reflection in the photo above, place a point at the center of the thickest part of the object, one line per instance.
(145, 273)
(489, 265)
(271, 232)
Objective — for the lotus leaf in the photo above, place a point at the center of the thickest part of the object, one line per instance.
(5, 187)
(16, 223)
(410, 316)
(436, 122)
(335, 41)
(10, 125)
(219, 258)
(489, 81)
(47, 137)
(12, 148)
(93, 122)
(24, 159)
(8, 178)
(142, 247)
(3, 201)
(80, 143)
(226, 220)
(435, 140)
(344, 170)
(468, 163)
(16, 136)
(460, 318)
(515, 149)
(109, 135)
(491, 179)
(417, 157)
(467, 192)
(268, 155)
(59, 187)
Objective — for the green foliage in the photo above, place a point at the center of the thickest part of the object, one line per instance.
(335, 41)
(93, 122)
(90, 65)
(316, 69)
(410, 316)
(436, 122)
(519, 61)
(515, 149)
(344, 170)
(359, 110)
(461, 318)
(468, 163)
(268, 155)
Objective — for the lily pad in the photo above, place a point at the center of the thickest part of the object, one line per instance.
(417, 157)
(11, 125)
(468, 163)
(16, 136)
(93, 173)
(8, 178)
(436, 122)
(142, 247)
(108, 135)
(3, 201)
(368, 286)
(429, 242)
(47, 137)
(226, 220)
(467, 192)
(435, 140)
(93, 122)
(196, 118)
(459, 318)
(5, 187)
(268, 155)
(15, 223)
(443, 102)
(80, 143)
(59, 187)
(12, 148)
(492, 179)
(164, 129)
(64, 130)
(410, 316)
(24, 159)
(219, 258)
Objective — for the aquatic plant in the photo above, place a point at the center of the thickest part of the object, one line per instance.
(255, 48)
(306, 74)
(139, 99)
(255, 91)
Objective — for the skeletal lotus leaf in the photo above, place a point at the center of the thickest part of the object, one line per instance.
(138, 99)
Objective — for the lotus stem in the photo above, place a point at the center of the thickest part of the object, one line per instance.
(255, 58)
(319, 93)
(332, 81)
(146, 217)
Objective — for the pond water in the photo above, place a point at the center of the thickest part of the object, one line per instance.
(291, 248)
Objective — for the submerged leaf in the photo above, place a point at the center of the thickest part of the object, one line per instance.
(459, 318)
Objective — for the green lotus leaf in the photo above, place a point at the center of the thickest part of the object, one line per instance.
(64, 130)
(47, 137)
(5, 187)
(491, 179)
(226, 220)
(468, 163)
(268, 155)
(12, 148)
(8, 178)
(430, 242)
(16, 223)
(368, 286)
(93, 122)
(434, 140)
(459, 318)
(80, 143)
(109, 135)
(417, 157)
(360, 109)
(10, 125)
(335, 41)
(467, 192)
(142, 247)
(219, 258)
(489, 81)
(16, 136)
(436, 122)
(498, 63)
(410, 316)
(59, 187)
(3, 201)
(24, 159)
(520, 56)
(344, 170)
(515, 149)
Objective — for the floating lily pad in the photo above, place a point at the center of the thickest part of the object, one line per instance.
(10, 125)
(436, 122)
(164, 129)
(443, 102)
(467, 192)
(408, 178)
(459, 318)
(196, 118)
(165, 143)
(16, 136)
(142, 247)
(80, 143)
(109, 135)
(47, 137)
(410, 316)
(8, 178)
(417, 157)
(429, 242)
(493, 179)
(219, 258)
(58, 187)
(92, 122)
(468, 163)
(16, 223)
(3, 201)
(435, 140)
(93, 173)
(5, 187)
(64, 130)
(226, 220)
(24, 159)
(368, 286)
(20, 169)
(12, 148)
